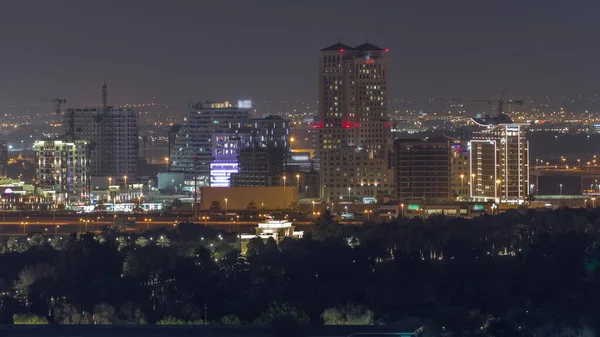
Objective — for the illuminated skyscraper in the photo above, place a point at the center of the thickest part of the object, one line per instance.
(499, 160)
(207, 145)
(353, 129)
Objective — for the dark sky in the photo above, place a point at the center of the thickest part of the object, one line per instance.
(186, 50)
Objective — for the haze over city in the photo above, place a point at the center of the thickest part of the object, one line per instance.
(265, 50)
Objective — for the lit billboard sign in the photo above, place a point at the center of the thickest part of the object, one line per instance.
(245, 104)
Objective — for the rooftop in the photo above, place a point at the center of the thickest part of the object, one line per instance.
(367, 46)
(338, 46)
(363, 47)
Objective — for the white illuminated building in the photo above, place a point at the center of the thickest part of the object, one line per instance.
(276, 229)
(62, 169)
(499, 161)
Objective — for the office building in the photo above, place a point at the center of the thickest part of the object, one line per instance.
(3, 158)
(353, 128)
(499, 160)
(171, 137)
(265, 154)
(62, 169)
(260, 166)
(207, 145)
(423, 168)
(271, 131)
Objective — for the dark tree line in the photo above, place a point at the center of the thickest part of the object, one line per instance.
(521, 273)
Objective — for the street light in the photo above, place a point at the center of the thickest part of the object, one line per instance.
(313, 208)
(167, 163)
(226, 206)
(402, 208)
(498, 192)
(560, 186)
(298, 180)
(349, 194)
(462, 178)
(126, 188)
(472, 185)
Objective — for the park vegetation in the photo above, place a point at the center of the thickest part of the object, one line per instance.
(520, 273)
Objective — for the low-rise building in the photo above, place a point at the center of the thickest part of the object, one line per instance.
(62, 170)
(276, 229)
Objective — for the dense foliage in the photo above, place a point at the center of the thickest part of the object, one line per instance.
(521, 273)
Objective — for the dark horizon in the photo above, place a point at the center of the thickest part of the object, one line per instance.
(268, 50)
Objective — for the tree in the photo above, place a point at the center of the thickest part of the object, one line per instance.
(57, 243)
(271, 246)
(16, 245)
(295, 206)
(163, 241)
(29, 319)
(37, 240)
(348, 314)
(255, 247)
(279, 310)
(28, 276)
(230, 319)
(104, 314)
(326, 227)
(142, 241)
(170, 320)
(129, 313)
(68, 314)
(251, 206)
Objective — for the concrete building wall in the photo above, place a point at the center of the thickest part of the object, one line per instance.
(238, 198)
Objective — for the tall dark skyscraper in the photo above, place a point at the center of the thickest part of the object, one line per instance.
(353, 129)
(3, 158)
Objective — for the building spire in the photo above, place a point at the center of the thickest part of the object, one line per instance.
(104, 96)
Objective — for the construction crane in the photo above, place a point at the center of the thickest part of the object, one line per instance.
(59, 102)
(500, 101)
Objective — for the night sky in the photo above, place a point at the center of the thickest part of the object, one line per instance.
(186, 50)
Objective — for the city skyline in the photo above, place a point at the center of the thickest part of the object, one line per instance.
(183, 53)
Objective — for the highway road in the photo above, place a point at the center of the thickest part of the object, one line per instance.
(65, 225)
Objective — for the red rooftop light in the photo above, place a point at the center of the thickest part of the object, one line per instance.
(386, 50)
(342, 49)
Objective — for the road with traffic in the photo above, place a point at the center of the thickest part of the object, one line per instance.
(65, 225)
